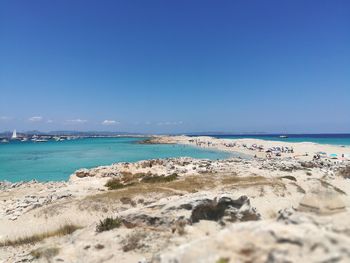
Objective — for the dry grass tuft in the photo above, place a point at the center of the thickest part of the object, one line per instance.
(299, 188)
(159, 179)
(133, 241)
(46, 253)
(62, 231)
(129, 179)
(127, 201)
(115, 183)
(108, 224)
(345, 172)
(288, 177)
(223, 260)
(244, 180)
(179, 226)
(189, 184)
(330, 186)
(128, 192)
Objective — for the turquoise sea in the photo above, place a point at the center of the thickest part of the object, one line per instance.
(55, 161)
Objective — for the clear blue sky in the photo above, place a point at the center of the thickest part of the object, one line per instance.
(175, 66)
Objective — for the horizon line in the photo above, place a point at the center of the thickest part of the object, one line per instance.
(203, 133)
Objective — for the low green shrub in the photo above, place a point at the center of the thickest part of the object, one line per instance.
(108, 224)
(115, 183)
(159, 179)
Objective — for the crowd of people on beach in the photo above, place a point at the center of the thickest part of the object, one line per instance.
(271, 152)
(200, 143)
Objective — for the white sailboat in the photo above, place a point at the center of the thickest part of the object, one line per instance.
(14, 135)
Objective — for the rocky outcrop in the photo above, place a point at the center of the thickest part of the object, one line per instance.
(225, 208)
(220, 209)
(15, 208)
(83, 173)
(293, 237)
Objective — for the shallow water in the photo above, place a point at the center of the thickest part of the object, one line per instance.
(54, 161)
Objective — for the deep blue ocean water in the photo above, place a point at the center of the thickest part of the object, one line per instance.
(55, 161)
(333, 139)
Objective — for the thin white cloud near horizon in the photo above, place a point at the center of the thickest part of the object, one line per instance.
(169, 123)
(77, 121)
(110, 122)
(35, 119)
(5, 118)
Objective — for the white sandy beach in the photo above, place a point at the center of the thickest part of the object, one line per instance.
(302, 150)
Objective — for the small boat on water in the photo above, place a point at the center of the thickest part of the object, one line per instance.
(283, 136)
(58, 139)
(40, 140)
(37, 138)
(14, 135)
(4, 141)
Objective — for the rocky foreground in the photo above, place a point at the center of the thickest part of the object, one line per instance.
(182, 210)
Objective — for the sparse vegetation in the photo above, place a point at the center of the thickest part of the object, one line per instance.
(115, 183)
(99, 246)
(46, 253)
(289, 177)
(127, 201)
(299, 188)
(108, 224)
(308, 164)
(179, 226)
(129, 179)
(159, 179)
(140, 175)
(261, 191)
(328, 185)
(62, 231)
(190, 184)
(345, 172)
(133, 241)
(223, 260)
